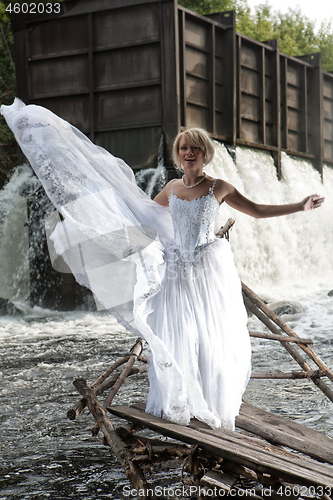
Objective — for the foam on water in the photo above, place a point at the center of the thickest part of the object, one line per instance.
(293, 251)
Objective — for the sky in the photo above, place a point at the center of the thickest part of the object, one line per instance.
(319, 10)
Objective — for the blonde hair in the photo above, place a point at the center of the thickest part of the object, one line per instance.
(196, 137)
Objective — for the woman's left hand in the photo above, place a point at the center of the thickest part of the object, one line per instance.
(312, 202)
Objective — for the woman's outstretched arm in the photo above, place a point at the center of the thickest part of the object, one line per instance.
(236, 200)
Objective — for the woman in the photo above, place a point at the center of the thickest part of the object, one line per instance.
(212, 347)
(167, 279)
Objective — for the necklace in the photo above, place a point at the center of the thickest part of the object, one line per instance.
(189, 187)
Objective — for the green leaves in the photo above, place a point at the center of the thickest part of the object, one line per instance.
(295, 31)
(7, 91)
(208, 6)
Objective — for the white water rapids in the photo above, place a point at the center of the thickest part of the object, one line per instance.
(293, 251)
(43, 455)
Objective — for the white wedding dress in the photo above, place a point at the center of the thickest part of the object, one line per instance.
(161, 273)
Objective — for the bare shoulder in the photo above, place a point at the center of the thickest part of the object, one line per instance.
(163, 196)
(222, 189)
(167, 188)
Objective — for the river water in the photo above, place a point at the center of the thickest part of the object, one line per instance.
(43, 454)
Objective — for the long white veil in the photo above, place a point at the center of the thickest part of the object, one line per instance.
(104, 222)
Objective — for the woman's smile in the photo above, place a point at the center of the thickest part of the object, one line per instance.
(190, 155)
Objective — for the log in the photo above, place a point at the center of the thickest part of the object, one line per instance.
(132, 471)
(74, 412)
(283, 338)
(274, 317)
(111, 369)
(143, 359)
(110, 383)
(224, 230)
(287, 375)
(215, 479)
(134, 354)
(224, 482)
(171, 449)
(297, 357)
(239, 470)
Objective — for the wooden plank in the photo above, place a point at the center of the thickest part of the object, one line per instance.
(250, 55)
(140, 22)
(130, 65)
(254, 443)
(66, 74)
(197, 33)
(232, 446)
(196, 62)
(218, 479)
(128, 107)
(276, 96)
(283, 96)
(58, 37)
(279, 430)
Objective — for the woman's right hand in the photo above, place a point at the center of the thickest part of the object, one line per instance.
(312, 202)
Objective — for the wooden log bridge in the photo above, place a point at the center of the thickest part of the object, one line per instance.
(248, 451)
(268, 455)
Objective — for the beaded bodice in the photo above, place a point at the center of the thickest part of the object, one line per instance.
(193, 222)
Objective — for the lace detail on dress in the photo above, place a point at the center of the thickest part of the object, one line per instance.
(194, 224)
(75, 178)
(42, 160)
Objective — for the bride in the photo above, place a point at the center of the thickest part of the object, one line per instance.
(155, 265)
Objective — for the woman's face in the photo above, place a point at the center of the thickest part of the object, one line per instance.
(190, 156)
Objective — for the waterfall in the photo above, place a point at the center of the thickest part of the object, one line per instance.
(21, 199)
(152, 180)
(14, 240)
(293, 251)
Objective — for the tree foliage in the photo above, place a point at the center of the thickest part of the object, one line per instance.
(7, 91)
(296, 33)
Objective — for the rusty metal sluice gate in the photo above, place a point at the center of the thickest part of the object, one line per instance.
(125, 72)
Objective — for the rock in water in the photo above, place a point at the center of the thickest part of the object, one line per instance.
(7, 308)
(285, 307)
